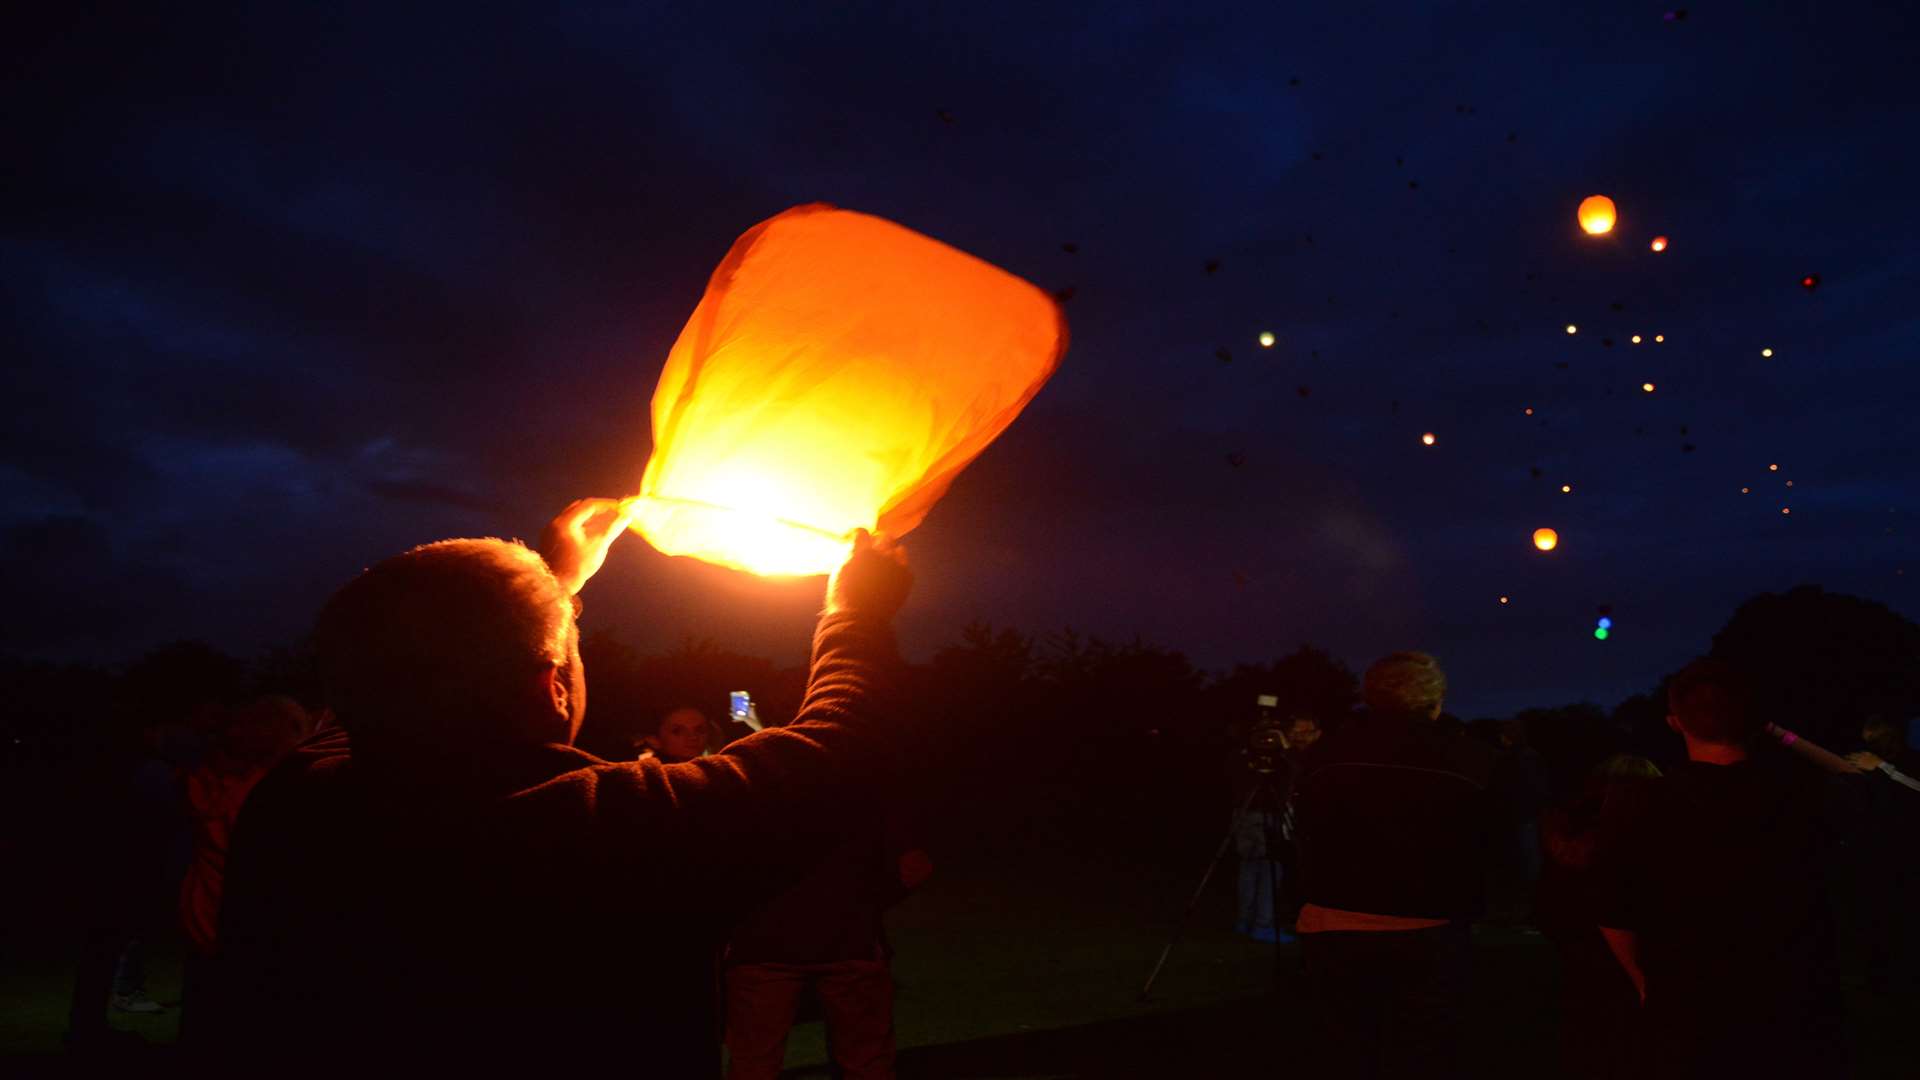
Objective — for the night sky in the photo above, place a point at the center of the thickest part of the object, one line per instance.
(289, 293)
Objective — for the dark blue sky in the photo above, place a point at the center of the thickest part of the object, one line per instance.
(288, 293)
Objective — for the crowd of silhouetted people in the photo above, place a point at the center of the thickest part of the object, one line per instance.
(430, 868)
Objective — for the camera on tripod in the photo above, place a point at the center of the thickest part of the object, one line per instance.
(1267, 737)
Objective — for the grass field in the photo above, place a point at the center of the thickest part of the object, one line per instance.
(1034, 969)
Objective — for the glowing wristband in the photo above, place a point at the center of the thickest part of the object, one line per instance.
(1788, 738)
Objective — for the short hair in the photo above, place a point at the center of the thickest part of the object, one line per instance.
(661, 720)
(442, 634)
(1406, 684)
(1713, 702)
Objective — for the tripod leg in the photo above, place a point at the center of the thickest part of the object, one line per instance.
(1194, 900)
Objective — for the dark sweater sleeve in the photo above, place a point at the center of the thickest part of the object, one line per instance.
(735, 827)
(1619, 879)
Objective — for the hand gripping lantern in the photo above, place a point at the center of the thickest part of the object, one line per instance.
(838, 374)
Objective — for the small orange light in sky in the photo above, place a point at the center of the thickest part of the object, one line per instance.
(1636, 339)
(1743, 491)
(1267, 339)
(1427, 438)
(1546, 539)
(1786, 509)
(1572, 329)
(1647, 386)
(1503, 599)
(1658, 338)
(1773, 468)
(1659, 243)
(1766, 352)
(1566, 489)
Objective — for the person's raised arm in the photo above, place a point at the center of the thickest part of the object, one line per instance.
(746, 819)
(1817, 755)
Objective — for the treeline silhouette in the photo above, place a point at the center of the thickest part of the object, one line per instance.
(1030, 744)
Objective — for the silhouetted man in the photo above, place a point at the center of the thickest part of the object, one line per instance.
(1394, 819)
(1713, 897)
(447, 879)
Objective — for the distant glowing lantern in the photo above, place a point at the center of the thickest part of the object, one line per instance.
(1647, 386)
(1789, 483)
(838, 374)
(1529, 410)
(1658, 338)
(1636, 339)
(1546, 539)
(1786, 509)
(1597, 215)
(1659, 243)
(1503, 599)
(1266, 339)
(1810, 282)
(1743, 491)
(1427, 438)
(1566, 489)
(1572, 329)
(1601, 633)
(1773, 468)
(1766, 352)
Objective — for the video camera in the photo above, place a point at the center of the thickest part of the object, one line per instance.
(1267, 737)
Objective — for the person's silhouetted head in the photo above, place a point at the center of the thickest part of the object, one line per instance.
(681, 736)
(1710, 702)
(1302, 731)
(469, 640)
(1406, 686)
(1884, 737)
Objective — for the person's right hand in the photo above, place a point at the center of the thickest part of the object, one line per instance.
(1864, 760)
(874, 581)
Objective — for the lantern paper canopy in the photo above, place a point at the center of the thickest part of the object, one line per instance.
(838, 374)
(1546, 539)
(1597, 214)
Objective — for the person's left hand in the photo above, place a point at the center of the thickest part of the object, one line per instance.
(575, 543)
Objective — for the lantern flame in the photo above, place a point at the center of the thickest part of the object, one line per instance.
(838, 374)
(1546, 539)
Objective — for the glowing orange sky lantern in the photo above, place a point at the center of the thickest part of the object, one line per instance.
(1597, 214)
(838, 374)
(1546, 539)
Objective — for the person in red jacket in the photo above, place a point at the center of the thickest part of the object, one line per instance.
(824, 933)
(257, 737)
(448, 881)
(252, 741)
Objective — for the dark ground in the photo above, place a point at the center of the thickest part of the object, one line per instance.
(1033, 967)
